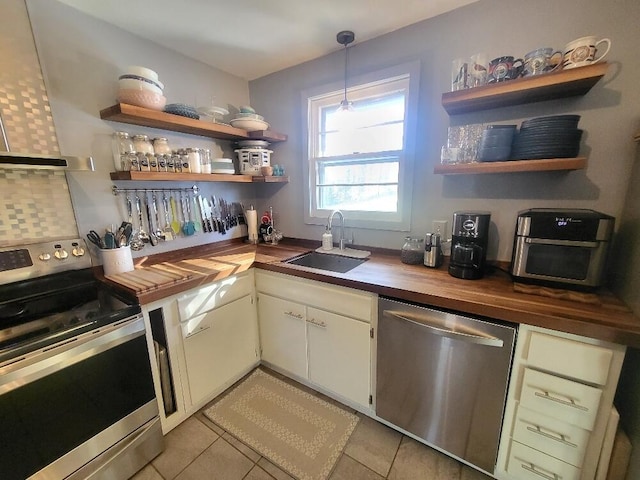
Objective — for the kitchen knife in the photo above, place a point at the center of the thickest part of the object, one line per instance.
(211, 213)
(216, 206)
(206, 224)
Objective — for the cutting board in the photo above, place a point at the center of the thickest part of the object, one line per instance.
(150, 278)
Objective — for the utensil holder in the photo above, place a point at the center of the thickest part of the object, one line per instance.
(116, 260)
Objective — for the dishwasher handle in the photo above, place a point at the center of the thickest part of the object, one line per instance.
(445, 332)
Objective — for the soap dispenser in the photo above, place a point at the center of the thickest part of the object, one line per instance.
(327, 239)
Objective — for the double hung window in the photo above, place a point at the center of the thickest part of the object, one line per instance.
(360, 161)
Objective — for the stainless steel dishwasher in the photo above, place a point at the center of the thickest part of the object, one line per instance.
(443, 377)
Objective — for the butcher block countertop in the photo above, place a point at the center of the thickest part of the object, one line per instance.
(600, 316)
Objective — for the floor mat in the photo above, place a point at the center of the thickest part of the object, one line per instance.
(301, 433)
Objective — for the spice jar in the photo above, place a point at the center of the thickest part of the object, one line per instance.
(142, 144)
(122, 146)
(412, 252)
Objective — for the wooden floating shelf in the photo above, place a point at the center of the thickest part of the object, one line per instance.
(512, 166)
(195, 177)
(565, 83)
(145, 117)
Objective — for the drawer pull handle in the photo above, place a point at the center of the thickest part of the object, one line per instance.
(532, 468)
(559, 438)
(294, 315)
(318, 323)
(568, 403)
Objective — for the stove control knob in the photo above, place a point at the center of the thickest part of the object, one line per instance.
(44, 257)
(78, 251)
(61, 254)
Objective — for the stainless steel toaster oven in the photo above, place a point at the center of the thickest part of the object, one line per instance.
(562, 248)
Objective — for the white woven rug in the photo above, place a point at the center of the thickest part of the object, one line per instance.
(301, 433)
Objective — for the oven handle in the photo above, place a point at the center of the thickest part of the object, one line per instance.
(38, 364)
(444, 332)
(563, 243)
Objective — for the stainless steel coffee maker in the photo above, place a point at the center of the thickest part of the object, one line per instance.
(469, 238)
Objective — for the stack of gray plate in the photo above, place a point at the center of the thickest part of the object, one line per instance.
(495, 144)
(548, 137)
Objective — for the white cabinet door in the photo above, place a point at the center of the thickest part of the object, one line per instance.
(282, 334)
(219, 347)
(339, 356)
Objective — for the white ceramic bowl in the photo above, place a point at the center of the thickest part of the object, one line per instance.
(249, 124)
(142, 98)
(133, 84)
(142, 71)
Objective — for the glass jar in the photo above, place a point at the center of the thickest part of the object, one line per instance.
(412, 252)
(122, 146)
(142, 144)
(193, 155)
(161, 146)
(205, 160)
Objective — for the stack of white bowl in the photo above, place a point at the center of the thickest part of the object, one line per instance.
(249, 120)
(140, 86)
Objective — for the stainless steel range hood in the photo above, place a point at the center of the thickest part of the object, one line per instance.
(9, 159)
(45, 162)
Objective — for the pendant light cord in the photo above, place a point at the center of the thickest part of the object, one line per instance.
(346, 57)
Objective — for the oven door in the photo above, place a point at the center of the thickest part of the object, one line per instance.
(63, 406)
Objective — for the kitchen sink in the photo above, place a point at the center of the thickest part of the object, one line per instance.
(326, 261)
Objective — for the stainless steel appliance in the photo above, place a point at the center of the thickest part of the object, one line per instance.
(432, 250)
(469, 238)
(76, 393)
(443, 377)
(561, 248)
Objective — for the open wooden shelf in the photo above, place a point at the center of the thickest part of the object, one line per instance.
(565, 83)
(512, 166)
(145, 117)
(195, 177)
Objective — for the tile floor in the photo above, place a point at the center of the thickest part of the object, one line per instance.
(198, 449)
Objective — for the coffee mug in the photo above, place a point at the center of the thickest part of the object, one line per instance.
(504, 68)
(582, 51)
(541, 60)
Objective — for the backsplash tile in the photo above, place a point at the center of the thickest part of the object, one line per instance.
(36, 206)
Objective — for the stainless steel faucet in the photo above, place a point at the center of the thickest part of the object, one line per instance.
(339, 213)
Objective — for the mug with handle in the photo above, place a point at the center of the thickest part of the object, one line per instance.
(505, 68)
(582, 51)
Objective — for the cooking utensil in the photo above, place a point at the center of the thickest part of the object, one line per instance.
(153, 238)
(175, 222)
(216, 209)
(206, 223)
(187, 226)
(154, 203)
(135, 241)
(144, 236)
(166, 230)
(109, 240)
(95, 238)
(197, 223)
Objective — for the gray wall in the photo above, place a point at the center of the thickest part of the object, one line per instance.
(610, 117)
(81, 59)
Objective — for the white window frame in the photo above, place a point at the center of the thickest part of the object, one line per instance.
(325, 95)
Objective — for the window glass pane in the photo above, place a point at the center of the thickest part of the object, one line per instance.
(376, 124)
(364, 172)
(367, 140)
(366, 198)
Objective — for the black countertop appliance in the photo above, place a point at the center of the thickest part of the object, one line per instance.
(469, 238)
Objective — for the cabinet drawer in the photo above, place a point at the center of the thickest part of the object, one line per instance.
(570, 358)
(558, 439)
(528, 464)
(565, 400)
(341, 300)
(214, 295)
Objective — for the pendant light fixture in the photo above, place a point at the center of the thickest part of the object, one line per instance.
(345, 38)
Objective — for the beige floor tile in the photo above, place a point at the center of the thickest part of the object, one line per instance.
(218, 462)
(348, 469)
(147, 473)
(373, 445)
(416, 461)
(258, 473)
(208, 422)
(275, 472)
(182, 445)
(468, 473)
(245, 449)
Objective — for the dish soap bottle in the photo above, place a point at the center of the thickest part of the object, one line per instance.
(327, 239)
